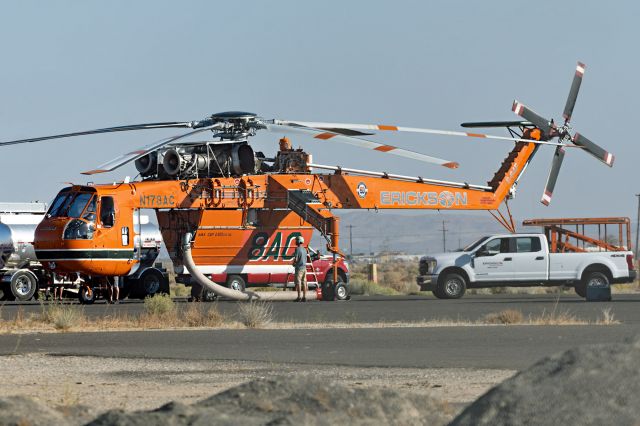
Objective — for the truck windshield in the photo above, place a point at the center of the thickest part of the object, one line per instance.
(474, 245)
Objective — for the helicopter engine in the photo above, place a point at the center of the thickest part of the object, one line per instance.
(200, 160)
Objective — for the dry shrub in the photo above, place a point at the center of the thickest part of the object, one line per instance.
(64, 317)
(215, 318)
(194, 315)
(607, 318)
(255, 314)
(159, 305)
(508, 316)
(180, 290)
(556, 318)
(369, 288)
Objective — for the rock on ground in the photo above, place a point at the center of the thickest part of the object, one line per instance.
(23, 411)
(299, 400)
(588, 385)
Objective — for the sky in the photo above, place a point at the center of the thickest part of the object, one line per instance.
(79, 65)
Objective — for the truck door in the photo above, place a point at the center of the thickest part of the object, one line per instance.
(493, 262)
(529, 260)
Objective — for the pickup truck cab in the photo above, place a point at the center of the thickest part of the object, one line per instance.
(520, 260)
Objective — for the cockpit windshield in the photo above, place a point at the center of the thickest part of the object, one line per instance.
(56, 205)
(79, 203)
(70, 204)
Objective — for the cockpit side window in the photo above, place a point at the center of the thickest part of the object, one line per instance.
(107, 211)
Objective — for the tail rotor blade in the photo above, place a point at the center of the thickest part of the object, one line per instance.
(530, 115)
(593, 149)
(553, 176)
(573, 92)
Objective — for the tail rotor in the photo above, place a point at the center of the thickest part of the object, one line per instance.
(550, 130)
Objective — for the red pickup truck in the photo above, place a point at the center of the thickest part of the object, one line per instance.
(240, 278)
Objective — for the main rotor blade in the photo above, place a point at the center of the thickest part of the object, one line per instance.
(573, 92)
(529, 114)
(362, 143)
(331, 127)
(553, 176)
(593, 149)
(496, 123)
(134, 155)
(146, 126)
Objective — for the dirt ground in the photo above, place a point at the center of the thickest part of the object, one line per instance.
(132, 384)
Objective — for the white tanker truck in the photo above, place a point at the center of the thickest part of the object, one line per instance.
(23, 278)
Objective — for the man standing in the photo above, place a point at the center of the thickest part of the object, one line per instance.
(300, 266)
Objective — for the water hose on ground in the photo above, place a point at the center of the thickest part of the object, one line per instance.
(222, 291)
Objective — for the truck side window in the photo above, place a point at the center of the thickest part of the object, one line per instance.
(107, 212)
(493, 247)
(528, 244)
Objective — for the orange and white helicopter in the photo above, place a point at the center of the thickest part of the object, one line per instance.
(244, 209)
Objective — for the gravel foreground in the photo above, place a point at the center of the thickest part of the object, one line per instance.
(82, 388)
(588, 385)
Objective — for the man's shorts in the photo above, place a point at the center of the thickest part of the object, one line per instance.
(301, 276)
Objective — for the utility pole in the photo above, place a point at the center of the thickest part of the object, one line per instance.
(637, 225)
(350, 241)
(444, 237)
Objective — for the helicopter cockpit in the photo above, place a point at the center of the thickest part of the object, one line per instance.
(80, 205)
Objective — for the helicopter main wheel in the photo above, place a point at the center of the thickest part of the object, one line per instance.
(86, 295)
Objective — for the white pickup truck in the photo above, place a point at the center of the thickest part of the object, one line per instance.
(520, 260)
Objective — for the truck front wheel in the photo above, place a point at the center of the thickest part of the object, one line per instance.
(236, 282)
(451, 286)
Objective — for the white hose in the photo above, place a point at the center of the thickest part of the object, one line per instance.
(219, 290)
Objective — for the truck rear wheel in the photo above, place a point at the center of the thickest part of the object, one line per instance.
(23, 285)
(451, 286)
(594, 278)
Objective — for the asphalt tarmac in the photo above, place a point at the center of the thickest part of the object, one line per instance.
(466, 346)
(500, 347)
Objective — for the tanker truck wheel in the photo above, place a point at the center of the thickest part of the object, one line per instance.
(23, 285)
